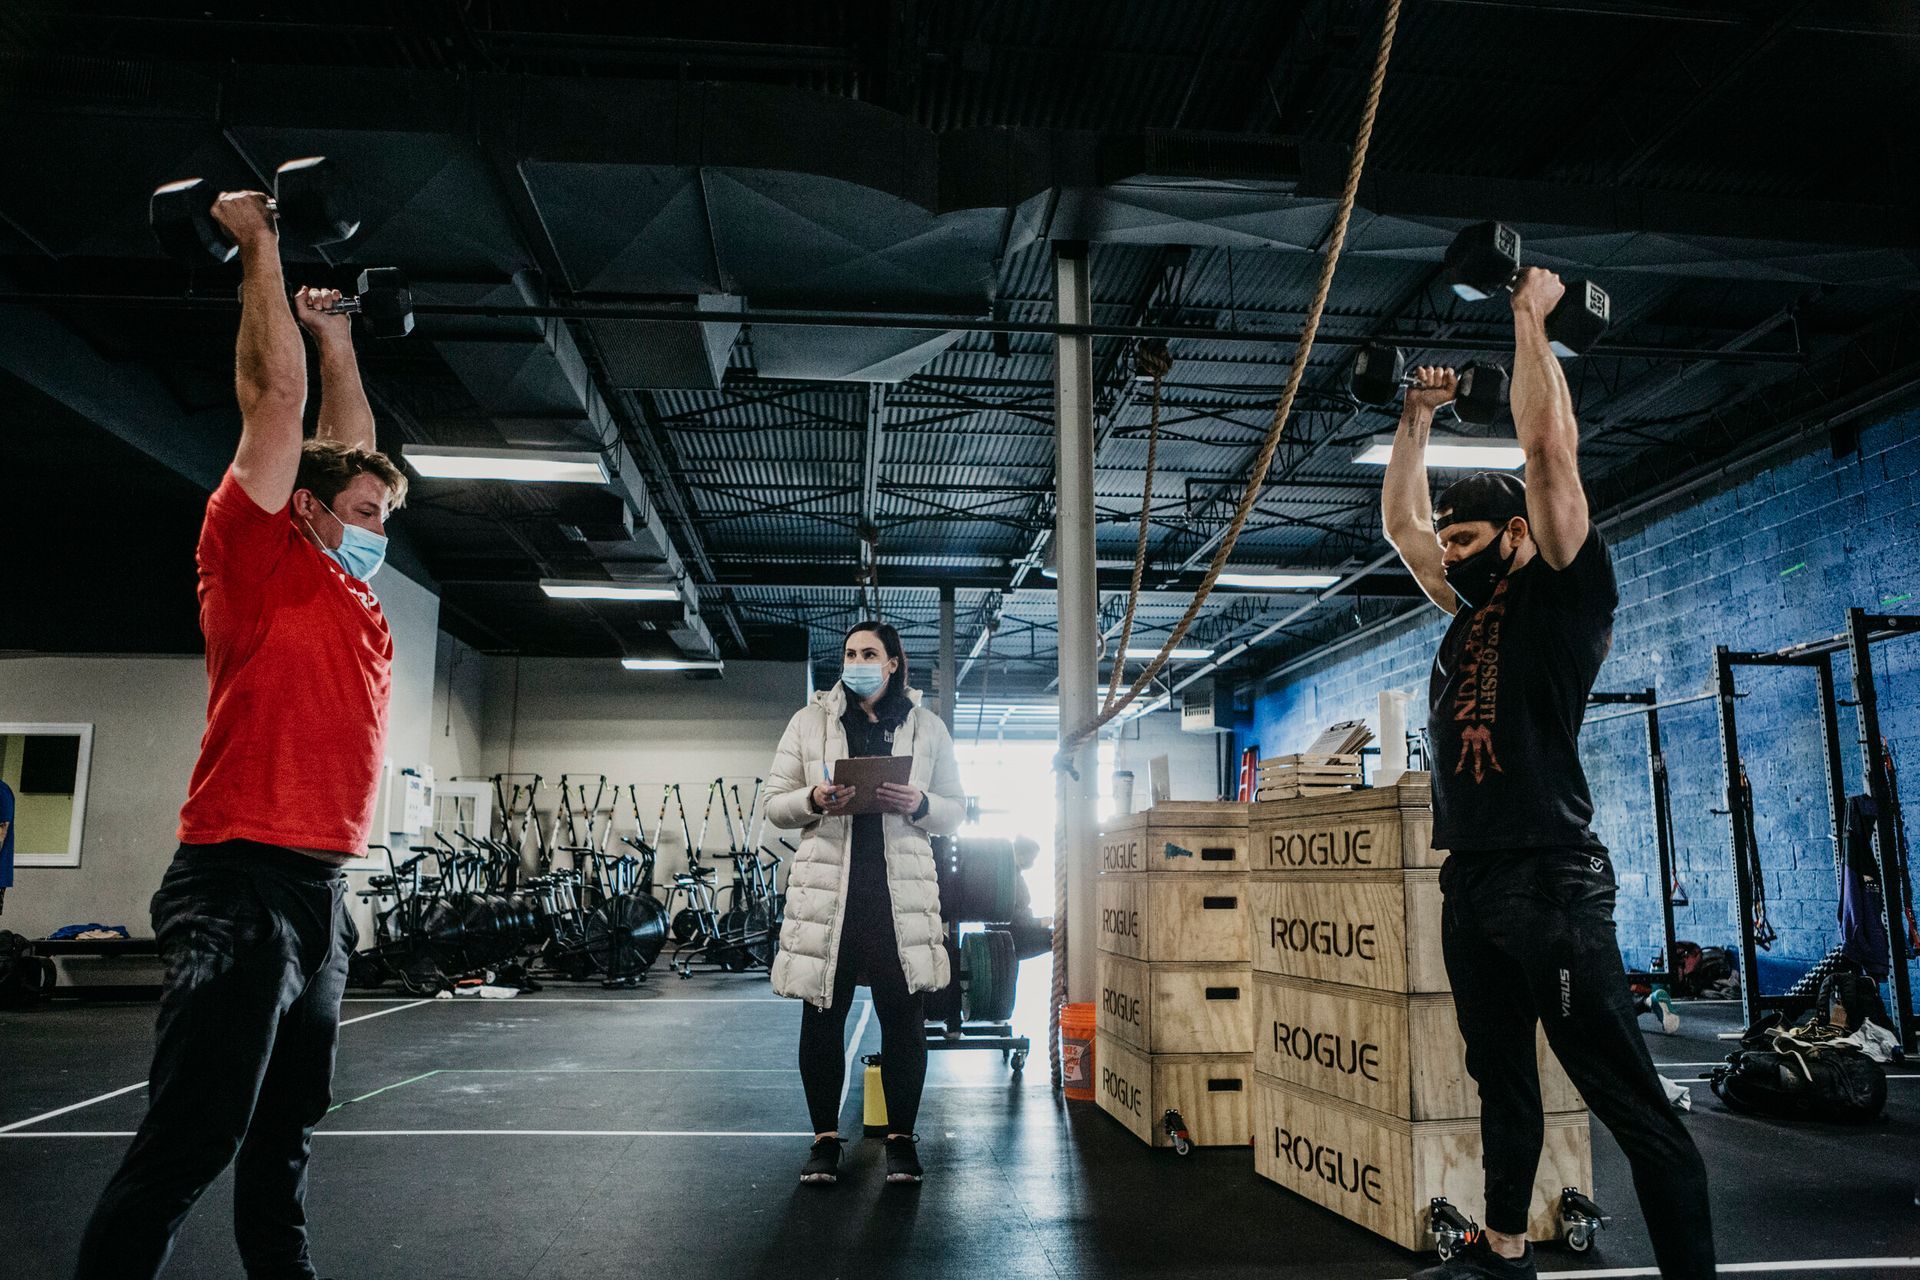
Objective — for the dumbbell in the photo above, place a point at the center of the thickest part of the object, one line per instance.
(1380, 374)
(383, 301)
(1484, 259)
(304, 204)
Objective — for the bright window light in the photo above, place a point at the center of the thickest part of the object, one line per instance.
(1179, 655)
(560, 589)
(1254, 580)
(447, 462)
(1456, 451)
(672, 664)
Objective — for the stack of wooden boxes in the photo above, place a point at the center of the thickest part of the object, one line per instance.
(1174, 1022)
(1362, 1102)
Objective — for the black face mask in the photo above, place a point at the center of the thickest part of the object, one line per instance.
(1475, 577)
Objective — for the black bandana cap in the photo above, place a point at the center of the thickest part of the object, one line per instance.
(1493, 496)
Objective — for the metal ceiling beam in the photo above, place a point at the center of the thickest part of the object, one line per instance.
(895, 320)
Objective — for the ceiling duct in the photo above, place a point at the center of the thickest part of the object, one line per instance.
(1174, 156)
(664, 356)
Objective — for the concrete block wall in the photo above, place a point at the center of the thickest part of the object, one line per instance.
(1770, 560)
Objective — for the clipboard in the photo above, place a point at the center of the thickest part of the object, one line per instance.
(865, 774)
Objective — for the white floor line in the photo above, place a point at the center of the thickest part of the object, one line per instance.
(634, 1003)
(853, 1051)
(76, 1106)
(381, 1013)
(1762, 1268)
(21, 1124)
(471, 1133)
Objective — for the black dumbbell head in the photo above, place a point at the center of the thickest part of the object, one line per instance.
(181, 215)
(1378, 370)
(1482, 260)
(1480, 396)
(308, 202)
(386, 302)
(1581, 319)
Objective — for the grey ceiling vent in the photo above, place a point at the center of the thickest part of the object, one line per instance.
(1165, 155)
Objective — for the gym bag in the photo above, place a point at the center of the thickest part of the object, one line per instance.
(24, 977)
(1804, 1075)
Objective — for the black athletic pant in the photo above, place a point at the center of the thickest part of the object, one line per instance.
(255, 940)
(1529, 936)
(869, 953)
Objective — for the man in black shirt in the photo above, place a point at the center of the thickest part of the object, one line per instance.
(1527, 927)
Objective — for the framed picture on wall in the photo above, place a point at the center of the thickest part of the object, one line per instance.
(45, 766)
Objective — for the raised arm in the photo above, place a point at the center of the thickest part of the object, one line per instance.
(270, 365)
(1406, 508)
(345, 415)
(1543, 419)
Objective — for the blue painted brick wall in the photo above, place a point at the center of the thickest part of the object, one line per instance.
(1772, 560)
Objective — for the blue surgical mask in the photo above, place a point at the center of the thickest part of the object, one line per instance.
(864, 679)
(361, 551)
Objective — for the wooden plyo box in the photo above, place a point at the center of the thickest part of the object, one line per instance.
(1180, 835)
(1382, 1171)
(1212, 1092)
(1176, 1008)
(1374, 929)
(1377, 829)
(1185, 917)
(1400, 1055)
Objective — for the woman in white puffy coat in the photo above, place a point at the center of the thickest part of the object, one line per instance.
(863, 904)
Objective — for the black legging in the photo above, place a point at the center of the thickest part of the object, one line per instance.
(1529, 939)
(869, 954)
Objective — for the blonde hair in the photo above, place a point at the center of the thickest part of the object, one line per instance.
(328, 466)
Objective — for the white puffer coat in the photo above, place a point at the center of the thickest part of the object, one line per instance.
(817, 883)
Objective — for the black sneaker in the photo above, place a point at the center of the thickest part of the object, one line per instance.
(1476, 1260)
(903, 1162)
(823, 1162)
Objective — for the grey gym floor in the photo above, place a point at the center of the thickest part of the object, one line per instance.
(584, 1134)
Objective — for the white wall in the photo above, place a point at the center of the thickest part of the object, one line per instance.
(455, 739)
(1192, 758)
(148, 715)
(587, 715)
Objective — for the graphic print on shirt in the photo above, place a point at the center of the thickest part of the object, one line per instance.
(1476, 705)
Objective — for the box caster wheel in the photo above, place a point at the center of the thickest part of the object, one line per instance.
(1580, 1219)
(1176, 1128)
(1019, 1062)
(1449, 1226)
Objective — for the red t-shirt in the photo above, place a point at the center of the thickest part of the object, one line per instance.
(299, 669)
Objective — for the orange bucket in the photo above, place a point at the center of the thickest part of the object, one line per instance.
(1076, 1050)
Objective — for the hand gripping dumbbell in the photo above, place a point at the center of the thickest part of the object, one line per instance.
(1380, 374)
(383, 301)
(305, 206)
(1484, 259)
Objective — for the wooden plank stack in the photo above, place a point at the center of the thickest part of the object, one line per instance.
(1329, 765)
(1362, 1102)
(1174, 1022)
(1291, 777)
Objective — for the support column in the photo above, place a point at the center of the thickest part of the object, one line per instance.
(1078, 604)
(949, 696)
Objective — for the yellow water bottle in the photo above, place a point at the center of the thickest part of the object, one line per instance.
(874, 1102)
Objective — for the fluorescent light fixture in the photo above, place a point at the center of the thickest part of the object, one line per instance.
(447, 462)
(1178, 655)
(673, 664)
(562, 589)
(1453, 451)
(1277, 580)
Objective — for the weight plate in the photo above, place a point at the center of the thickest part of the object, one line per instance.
(1005, 970)
(978, 993)
(686, 925)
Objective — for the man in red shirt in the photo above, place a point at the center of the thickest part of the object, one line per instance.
(251, 916)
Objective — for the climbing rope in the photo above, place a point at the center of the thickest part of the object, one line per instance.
(1154, 360)
(1256, 479)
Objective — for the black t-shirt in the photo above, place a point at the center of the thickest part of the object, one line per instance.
(1505, 704)
(868, 738)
